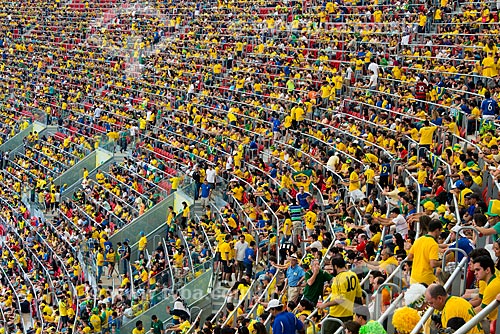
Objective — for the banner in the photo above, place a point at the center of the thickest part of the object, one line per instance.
(303, 179)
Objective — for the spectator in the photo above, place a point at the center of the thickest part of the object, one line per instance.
(425, 255)
(315, 281)
(206, 191)
(484, 270)
(284, 321)
(451, 307)
(489, 107)
(362, 317)
(156, 325)
(345, 289)
(240, 247)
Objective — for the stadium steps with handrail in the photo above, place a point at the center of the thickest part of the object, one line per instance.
(194, 293)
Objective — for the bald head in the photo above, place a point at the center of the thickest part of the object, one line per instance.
(436, 296)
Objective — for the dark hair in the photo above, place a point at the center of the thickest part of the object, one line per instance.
(259, 328)
(485, 262)
(475, 253)
(455, 323)
(435, 225)
(352, 326)
(480, 219)
(424, 223)
(338, 261)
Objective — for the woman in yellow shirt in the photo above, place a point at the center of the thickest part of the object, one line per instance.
(186, 212)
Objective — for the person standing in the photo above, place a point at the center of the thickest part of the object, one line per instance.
(100, 264)
(156, 325)
(197, 182)
(489, 107)
(294, 276)
(211, 176)
(206, 191)
(240, 247)
(315, 280)
(345, 289)
(249, 258)
(125, 258)
(284, 321)
(425, 255)
(226, 259)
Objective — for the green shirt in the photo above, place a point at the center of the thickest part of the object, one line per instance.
(312, 292)
(157, 327)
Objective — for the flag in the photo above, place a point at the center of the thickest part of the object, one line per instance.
(303, 178)
(434, 161)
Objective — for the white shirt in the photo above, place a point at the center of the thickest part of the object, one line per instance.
(240, 247)
(373, 67)
(401, 225)
(333, 161)
(373, 80)
(133, 130)
(210, 175)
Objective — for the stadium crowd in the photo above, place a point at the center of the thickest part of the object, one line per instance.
(342, 137)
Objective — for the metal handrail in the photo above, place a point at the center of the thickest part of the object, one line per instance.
(461, 266)
(378, 297)
(483, 314)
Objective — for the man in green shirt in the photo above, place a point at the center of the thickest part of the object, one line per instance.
(315, 279)
(156, 325)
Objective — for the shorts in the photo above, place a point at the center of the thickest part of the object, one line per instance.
(241, 266)
(226, 267)
(217, 256)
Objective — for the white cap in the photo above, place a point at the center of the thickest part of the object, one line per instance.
(273, 303)
(458, 230)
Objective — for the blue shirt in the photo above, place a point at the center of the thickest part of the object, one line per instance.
(276, 125)
(302, 200)
(294, 274)
(286, 323)
(249, 252)
(463, 244)
(489, 107)
(205, 190)
(386, 169)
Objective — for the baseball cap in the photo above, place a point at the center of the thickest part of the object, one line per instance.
(429, 206)
(294, 256)
(273, 303)
(458, 230)
(363, 311)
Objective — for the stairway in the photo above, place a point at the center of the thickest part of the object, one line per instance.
(218, 296)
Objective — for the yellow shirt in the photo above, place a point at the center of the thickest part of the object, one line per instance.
(225, 251)
(424, 249)
(95, 320)
(345, 287)
(490, 293)
(460, 308)
(310, 219)
(426, 134)
(354, 181)
(175, 182)
(370, 176)
(142, 243)
(63, 311)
